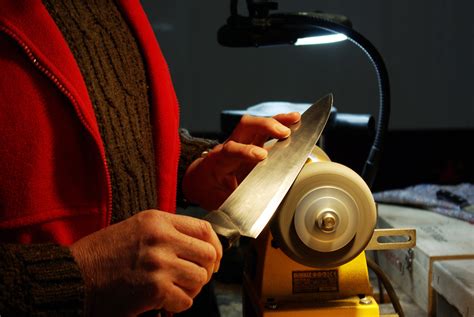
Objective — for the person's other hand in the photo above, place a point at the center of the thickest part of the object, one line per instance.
(211, 179)
(152, 260)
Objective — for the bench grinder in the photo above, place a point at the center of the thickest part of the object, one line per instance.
(311, 261)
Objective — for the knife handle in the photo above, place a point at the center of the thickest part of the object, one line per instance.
(226, 230)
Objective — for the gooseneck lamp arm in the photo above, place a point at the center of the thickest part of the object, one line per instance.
(371, 165)
(262, 29)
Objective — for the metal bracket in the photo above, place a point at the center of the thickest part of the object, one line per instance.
(408, 236)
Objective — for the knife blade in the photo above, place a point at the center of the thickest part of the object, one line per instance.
(250, 207)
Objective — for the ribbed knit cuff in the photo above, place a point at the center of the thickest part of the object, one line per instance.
(191, 149)
(39, 280)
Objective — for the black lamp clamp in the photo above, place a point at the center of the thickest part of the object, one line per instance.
(263, 28)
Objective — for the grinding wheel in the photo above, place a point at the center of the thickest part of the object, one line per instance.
(328, 216)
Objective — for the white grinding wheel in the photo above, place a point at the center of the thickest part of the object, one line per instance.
(325, 188)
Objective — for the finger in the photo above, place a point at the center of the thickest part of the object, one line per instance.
(288, 119)
(249, 127)
(193, 227)
(197, 251)
(231, 182)
(228, 157)
(260, 139)
(189, 276)
(242, 173)
(199, 229)
(176, 300)
(243, 152)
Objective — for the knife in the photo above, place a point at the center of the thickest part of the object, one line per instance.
(250, 207)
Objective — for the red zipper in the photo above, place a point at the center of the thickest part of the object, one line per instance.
(176, 161)
(74, 102)
(179, 151)
(178, 108)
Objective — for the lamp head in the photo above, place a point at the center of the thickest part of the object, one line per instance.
(261, 28)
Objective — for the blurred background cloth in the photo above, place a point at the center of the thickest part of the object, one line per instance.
(455, 201)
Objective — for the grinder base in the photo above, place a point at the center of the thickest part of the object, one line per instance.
(275, 285)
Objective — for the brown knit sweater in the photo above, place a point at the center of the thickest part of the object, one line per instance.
(43, 279)
(110, 62)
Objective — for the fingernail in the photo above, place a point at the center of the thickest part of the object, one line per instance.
(283, 129)
(216, 267)
(259, 152)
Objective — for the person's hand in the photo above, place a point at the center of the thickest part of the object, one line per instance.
(211, 179)
(152, 260)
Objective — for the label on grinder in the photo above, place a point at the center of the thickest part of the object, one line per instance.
(315, 281)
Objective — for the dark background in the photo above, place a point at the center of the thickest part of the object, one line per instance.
(427, 47)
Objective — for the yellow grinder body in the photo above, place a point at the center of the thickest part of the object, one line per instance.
(312, 261)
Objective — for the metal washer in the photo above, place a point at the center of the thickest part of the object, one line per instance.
(321, 200)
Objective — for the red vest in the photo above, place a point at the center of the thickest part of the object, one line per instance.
(54, 181)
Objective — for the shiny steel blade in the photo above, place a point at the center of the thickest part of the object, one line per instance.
(256, 199)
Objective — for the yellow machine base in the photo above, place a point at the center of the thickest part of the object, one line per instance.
(348, 307)
(279, 286)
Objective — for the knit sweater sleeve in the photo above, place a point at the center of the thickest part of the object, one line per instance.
(39, 280)
(191, 149)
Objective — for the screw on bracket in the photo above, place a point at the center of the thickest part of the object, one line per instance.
(271, 303)
(409, 258)
(365, 301)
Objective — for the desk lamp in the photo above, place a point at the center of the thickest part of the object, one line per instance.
(262, 28)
